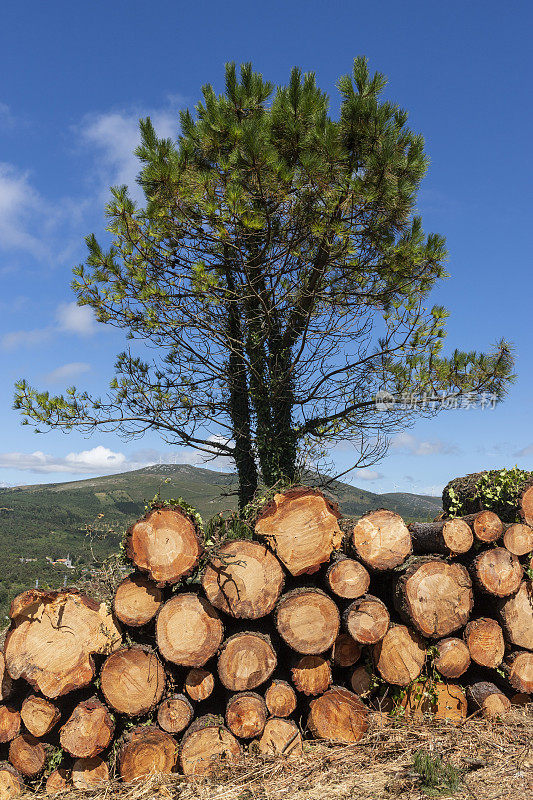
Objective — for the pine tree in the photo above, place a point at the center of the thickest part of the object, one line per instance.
(281, 278)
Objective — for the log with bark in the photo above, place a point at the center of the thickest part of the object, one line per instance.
(450, 536)
(146, 750)
(280, 698)
(39, 715)
(367, 620)
(308, 620)
(137, 600)
(338, 715)
(165, 544)
(204, 744)
(435, 596)
(246, 715)
(486, 697)
(516, 614)
(199, 684)
(453, 657)
(497, 571)
(133, 681)
(189, 630)
(281, 737)
(400, 655)
(301, 526)
(53, 638)
(381, 539)
(311, 675)
(465, 491)
(246, 660)
(175, 713)
(244, 579)
(347, 578)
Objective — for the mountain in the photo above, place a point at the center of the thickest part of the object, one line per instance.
(86, 519)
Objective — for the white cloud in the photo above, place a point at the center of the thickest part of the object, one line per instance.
(10, 341)
(7, 120)
(368, 474)
(409, 444)
(115, 135)
(76, 319)
(67, 372)
(525, 451)
(99, 459)
(21, 211)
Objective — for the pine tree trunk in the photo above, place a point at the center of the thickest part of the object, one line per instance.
(519, 670)
(347, 578)
(518, 539)
(346, 651)
(58, 781)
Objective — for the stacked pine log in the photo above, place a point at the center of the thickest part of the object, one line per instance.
(304, 629)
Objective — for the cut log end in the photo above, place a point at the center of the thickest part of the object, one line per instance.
(246, 661)
(308, 621)
(443, 701)
(39, 716)
(9, 723)
(58, 782)
(348, 578)
(164, 544)
(519, 666)
(175, 714)
(484, 639)
(199, 684)
(28, 755)
(137, 600)
(88, 731)
(488, 527)
(367, 620)
(11, 782)
(382, 539)
(453, 657)
(302, 528)
(245, 579)
(311, 675)
(147, 751)
(90, 773)
(486, 697)
(452, 536)
(400, 655)
(281, 737)
(280, 699)
(345, 651)
(204, 745)
(498, 572)
(516, 613)
(6, 684)
(189, 630)
(133, 681)
(246, 715)
(362, 681)
(338, 715)
(526, 506)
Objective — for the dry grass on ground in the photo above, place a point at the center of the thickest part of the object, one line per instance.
(497, 757)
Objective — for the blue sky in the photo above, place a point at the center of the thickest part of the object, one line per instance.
(75, 79)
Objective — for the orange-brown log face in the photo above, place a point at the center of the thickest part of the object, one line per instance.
(308, 620)
(382, 540)
(90, 773)
(499, 572)
(245, 579)
(246, 661)
(345, 651)
(133, 681)
(400, 655)
(10, 784)
(518, 539)
(202, 750)
(164, 544)
(9, 723)
(348, 579)
(280, 699)
(458, 536)
(488, 527)
(302, 529)
(453, 657)
(246, 715)
(149, 751)
(27, 755)
(39, 715)
(484, 639)
(438, 598)
(137, 600)
(338, 715)
(281, 737)
(175, 714)
(526, 506)
(199, 684)
(517, 616)
(189, 630)
(367, 620)
(88, 731)
(311, 675)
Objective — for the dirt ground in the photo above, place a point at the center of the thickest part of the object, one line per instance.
(496, 757)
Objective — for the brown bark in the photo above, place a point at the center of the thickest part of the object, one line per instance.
(489, 699)
(484, 639)
(311, 675)
(28, 755)
(497, 571)
(89, 773)
(301, 526)
(362, 681)
(244, 579)
(9, 723)
(280, 699)
(58, 781)
(147, 750)
(400, 655)
(137, 600)
(53, 637)
(518, 539)
(199, 684)
(133, 681)
(367, 619)
(445, 536)
(347, 578)
(175, 713)
(246, 715)
(345, 651)
(205, 744)
(281, 737)
(435, 596)
(516, 614)
(39, 715)
(88, 730)
(6, 684)
(246, 660)
(307, 620)
(11, 782)
(338, 715)
(382, 539)
(189, 630)
(164, 544)
(519, 670)
(453, 657)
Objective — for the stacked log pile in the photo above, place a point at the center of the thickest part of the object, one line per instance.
(302, 630)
